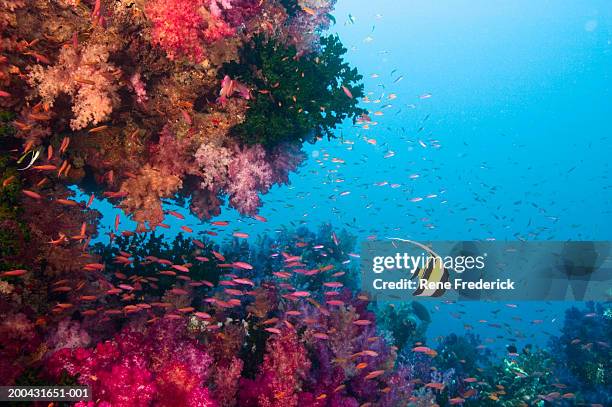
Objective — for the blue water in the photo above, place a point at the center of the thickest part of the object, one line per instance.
(504, 112)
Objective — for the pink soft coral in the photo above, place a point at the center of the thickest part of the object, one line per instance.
(285, 159)
(139, 88)
(86, 76)
(213, 162)
(249, 173)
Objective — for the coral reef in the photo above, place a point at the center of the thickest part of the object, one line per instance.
(266, 325)
(147, 93)
(252, 341)
(583, 354)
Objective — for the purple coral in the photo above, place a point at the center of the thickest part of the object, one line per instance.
(69, 334)
(249, 174)
(139, 88)
(254, 171)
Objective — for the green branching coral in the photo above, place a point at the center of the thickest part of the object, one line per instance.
(294, 97)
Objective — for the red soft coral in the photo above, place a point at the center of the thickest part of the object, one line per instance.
(183, 27)
(285, 365)
(161, 366)
(177, 27)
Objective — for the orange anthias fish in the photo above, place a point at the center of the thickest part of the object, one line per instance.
(425, 350)
(176, 215)
(242, 265)
(436, 386)
(347, 92)
(218, 256)
(31, 194)
(309, 10)
(14, 273)
(374, 374)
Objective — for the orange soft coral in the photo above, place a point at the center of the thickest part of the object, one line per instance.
(144, 194)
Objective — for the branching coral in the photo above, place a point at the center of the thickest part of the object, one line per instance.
(85, 75)
(299, 96)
